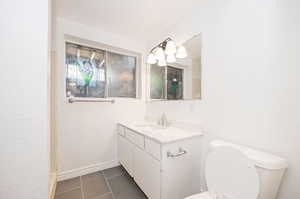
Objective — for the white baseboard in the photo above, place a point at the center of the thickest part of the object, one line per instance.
(52, 186)
(86, 170)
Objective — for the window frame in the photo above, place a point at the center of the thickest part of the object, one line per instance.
(104, 47)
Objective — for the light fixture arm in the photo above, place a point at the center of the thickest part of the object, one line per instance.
(165, 52)
(162, 44)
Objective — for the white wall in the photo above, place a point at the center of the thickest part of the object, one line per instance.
(24, 116)
(86, 132)
(251, 84)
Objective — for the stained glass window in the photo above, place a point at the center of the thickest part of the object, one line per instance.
(97, 73)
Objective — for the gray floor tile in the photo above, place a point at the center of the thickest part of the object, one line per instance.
(67, 185)
(94, 185)
(114, 172)
(123, 187)
(74, 194)
(106, 196)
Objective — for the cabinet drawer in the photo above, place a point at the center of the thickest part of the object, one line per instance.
(153, 148)
(121, 130)
(135, 138)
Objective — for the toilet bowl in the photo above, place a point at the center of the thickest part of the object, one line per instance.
(238, 172)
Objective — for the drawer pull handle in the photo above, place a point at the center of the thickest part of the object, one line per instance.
(180, 153)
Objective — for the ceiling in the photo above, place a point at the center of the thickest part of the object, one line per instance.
(136, 19)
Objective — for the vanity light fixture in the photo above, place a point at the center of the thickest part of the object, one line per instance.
(181, 52)
(151, 59)
(166, 52)
(159, 54)
(170, 48)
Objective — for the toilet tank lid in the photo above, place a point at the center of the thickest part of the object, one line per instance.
(260, 159)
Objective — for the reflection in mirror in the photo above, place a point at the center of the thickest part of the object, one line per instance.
(157, 83)
(181, 79)
(174, 83)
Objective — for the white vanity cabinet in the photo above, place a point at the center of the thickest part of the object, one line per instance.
(125, 154)
(163, 170)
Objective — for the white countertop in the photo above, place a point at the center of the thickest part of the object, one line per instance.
(160, 134)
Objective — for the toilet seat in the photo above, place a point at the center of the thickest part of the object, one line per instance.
(239, 172)
(230, 174)
(204, 195)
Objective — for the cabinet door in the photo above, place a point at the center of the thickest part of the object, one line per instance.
(147, 173)
(125, 154)
(181, 174)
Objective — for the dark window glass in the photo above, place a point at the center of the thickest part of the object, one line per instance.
(121, 75)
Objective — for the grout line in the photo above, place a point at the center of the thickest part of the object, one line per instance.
(114, 176)
(81, 187)
(72, 189)
(108, 185)
(103, 195)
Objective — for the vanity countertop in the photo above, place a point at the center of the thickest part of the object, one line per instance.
(160, 134)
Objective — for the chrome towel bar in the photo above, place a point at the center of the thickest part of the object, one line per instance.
(180, 153)
(72, 100)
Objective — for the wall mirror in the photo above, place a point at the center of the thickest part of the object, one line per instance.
(179, 80)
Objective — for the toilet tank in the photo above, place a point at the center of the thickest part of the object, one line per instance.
(270, 168)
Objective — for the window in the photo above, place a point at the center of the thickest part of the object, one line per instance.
(97, 73)
(121, 79)
(166, 82)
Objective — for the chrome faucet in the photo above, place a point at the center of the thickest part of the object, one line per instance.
(163, 121)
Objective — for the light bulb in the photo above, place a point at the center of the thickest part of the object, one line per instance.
(171, 58)
(181, 52)
(151, 59)
(162, 62)
(159, 54)
(170, 47)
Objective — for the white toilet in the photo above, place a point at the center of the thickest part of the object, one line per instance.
(238, 172)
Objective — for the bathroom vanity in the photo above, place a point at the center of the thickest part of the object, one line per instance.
(163, 161)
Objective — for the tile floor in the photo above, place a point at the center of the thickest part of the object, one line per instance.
(114, 183)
